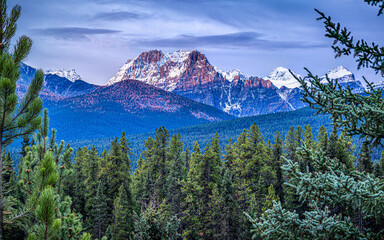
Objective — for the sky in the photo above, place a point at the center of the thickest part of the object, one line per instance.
(96, 37)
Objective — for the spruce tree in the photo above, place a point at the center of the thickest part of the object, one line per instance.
(229, 210)
(379, 167)
(100, 212)
(122, 225)
(322, 139)
(291, 144)
(277, 163)
(365, 160)
(356, 196)
(177, 173)
(18, 117)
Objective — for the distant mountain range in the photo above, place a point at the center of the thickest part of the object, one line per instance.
(190, 74)
(174, 90)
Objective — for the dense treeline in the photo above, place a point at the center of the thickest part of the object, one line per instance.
(268, 124)
(174, 193)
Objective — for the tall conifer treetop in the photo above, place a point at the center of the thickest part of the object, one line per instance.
(17, 117)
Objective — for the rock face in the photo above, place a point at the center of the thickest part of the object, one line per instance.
(190, 74)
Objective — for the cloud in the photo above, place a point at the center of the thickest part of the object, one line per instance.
(233, 40)
(73, 33)
(120, 15)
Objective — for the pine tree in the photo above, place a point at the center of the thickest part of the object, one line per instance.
(229, 210)
(91, 184)
(277, 163)
(291, 144)
(48, 226)
(332, 143)
(18, 118)
(151, 225)
(122, 225)
(177, 173)
(25, 143)
(270, 198)
(379, 167)
(322, 143)
(116, 170)
(100, 212)
(365, 161)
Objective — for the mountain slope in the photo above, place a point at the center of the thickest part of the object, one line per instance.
(128, 105)
(190, 74)
(56, 85)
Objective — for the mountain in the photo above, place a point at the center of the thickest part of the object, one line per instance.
(129, 105)
(56, 84)
(344, 78)
(190, 74)
(281, 77)
(69, 74)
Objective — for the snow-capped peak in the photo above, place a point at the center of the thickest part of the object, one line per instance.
(230, 75)
(338, 72)
(282, 77)
(69, 74)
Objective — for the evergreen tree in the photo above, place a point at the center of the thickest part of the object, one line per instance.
(91, 184)
(100, 212)
(333, 184)
(277, 163)
(229, 210)
(270, 198)
(152, 225)
(25, 143)
(122, 225)
(379, 167)
(291, 144)
(365, 161)
(176, 175)
(322, 143)
(48, 226)
(18, 118)
(332, 143)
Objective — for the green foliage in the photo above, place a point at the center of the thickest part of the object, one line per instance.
(342, 203)
(364, 162)
(122, 225)
(152, 225)
(48, 226)
(278, 223)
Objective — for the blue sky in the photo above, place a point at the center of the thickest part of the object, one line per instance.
(97, 37)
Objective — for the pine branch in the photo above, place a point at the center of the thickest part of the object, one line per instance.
(368, 55)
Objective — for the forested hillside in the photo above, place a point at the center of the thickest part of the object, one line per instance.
(195, 192)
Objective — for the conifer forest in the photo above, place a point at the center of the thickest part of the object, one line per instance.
(300, 182)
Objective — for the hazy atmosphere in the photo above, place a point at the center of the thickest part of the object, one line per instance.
(98, 37)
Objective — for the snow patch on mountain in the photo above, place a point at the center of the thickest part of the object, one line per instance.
(230, 75)
(69, 74)
(282, 77)
(120, 75)
(178, 56)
